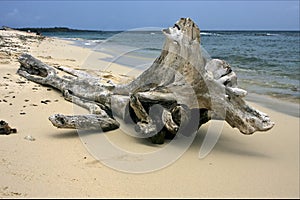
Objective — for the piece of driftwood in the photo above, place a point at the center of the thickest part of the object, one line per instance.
(179, 92)
(5, 128)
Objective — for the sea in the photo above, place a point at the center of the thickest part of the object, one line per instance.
(266, 62)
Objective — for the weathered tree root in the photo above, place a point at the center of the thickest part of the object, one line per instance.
(84, 122)
(180, 91)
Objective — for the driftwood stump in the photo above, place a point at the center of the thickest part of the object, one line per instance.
(180, 91)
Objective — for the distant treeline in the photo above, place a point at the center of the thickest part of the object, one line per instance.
(54, 29)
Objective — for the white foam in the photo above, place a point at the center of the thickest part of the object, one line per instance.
(209, 34)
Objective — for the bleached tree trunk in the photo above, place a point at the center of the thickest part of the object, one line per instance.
(179, 92)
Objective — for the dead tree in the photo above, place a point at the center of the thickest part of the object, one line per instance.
(179, 92)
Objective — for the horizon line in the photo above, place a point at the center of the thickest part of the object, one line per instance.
(139, 29)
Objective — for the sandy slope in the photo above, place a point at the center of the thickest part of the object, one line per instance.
(57, 164)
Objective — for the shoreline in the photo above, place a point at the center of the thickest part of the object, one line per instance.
(277, 104)
(58, 164)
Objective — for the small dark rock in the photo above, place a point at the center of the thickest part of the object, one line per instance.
(6, 129)
(45, 101)
(13, 130)
(20, 82)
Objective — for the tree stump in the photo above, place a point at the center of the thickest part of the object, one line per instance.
(179, 92)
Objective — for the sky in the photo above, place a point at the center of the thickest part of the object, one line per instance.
(124, 15)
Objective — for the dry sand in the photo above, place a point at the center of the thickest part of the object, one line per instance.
(57, 164)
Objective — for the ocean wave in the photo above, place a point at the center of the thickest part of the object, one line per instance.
(209, 34)
(92, 42)
(271, 84)
(241, 59)
(266, 34)
(238, 69)
(70, 39)
(152, 49)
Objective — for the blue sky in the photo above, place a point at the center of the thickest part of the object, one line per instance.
(123, 15)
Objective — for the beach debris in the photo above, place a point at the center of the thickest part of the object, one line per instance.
(20, 82)
(180, 91)
(6, 129)
(85, 122)
(29, 137)
(13, 43)
(45, 101)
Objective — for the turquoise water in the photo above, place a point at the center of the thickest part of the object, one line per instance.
(266, 62)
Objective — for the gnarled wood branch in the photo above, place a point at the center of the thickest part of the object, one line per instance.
(180, 91)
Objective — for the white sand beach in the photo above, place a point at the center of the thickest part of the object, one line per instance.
(57, 164)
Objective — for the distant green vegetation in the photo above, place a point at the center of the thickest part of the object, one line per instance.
(54, 29)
